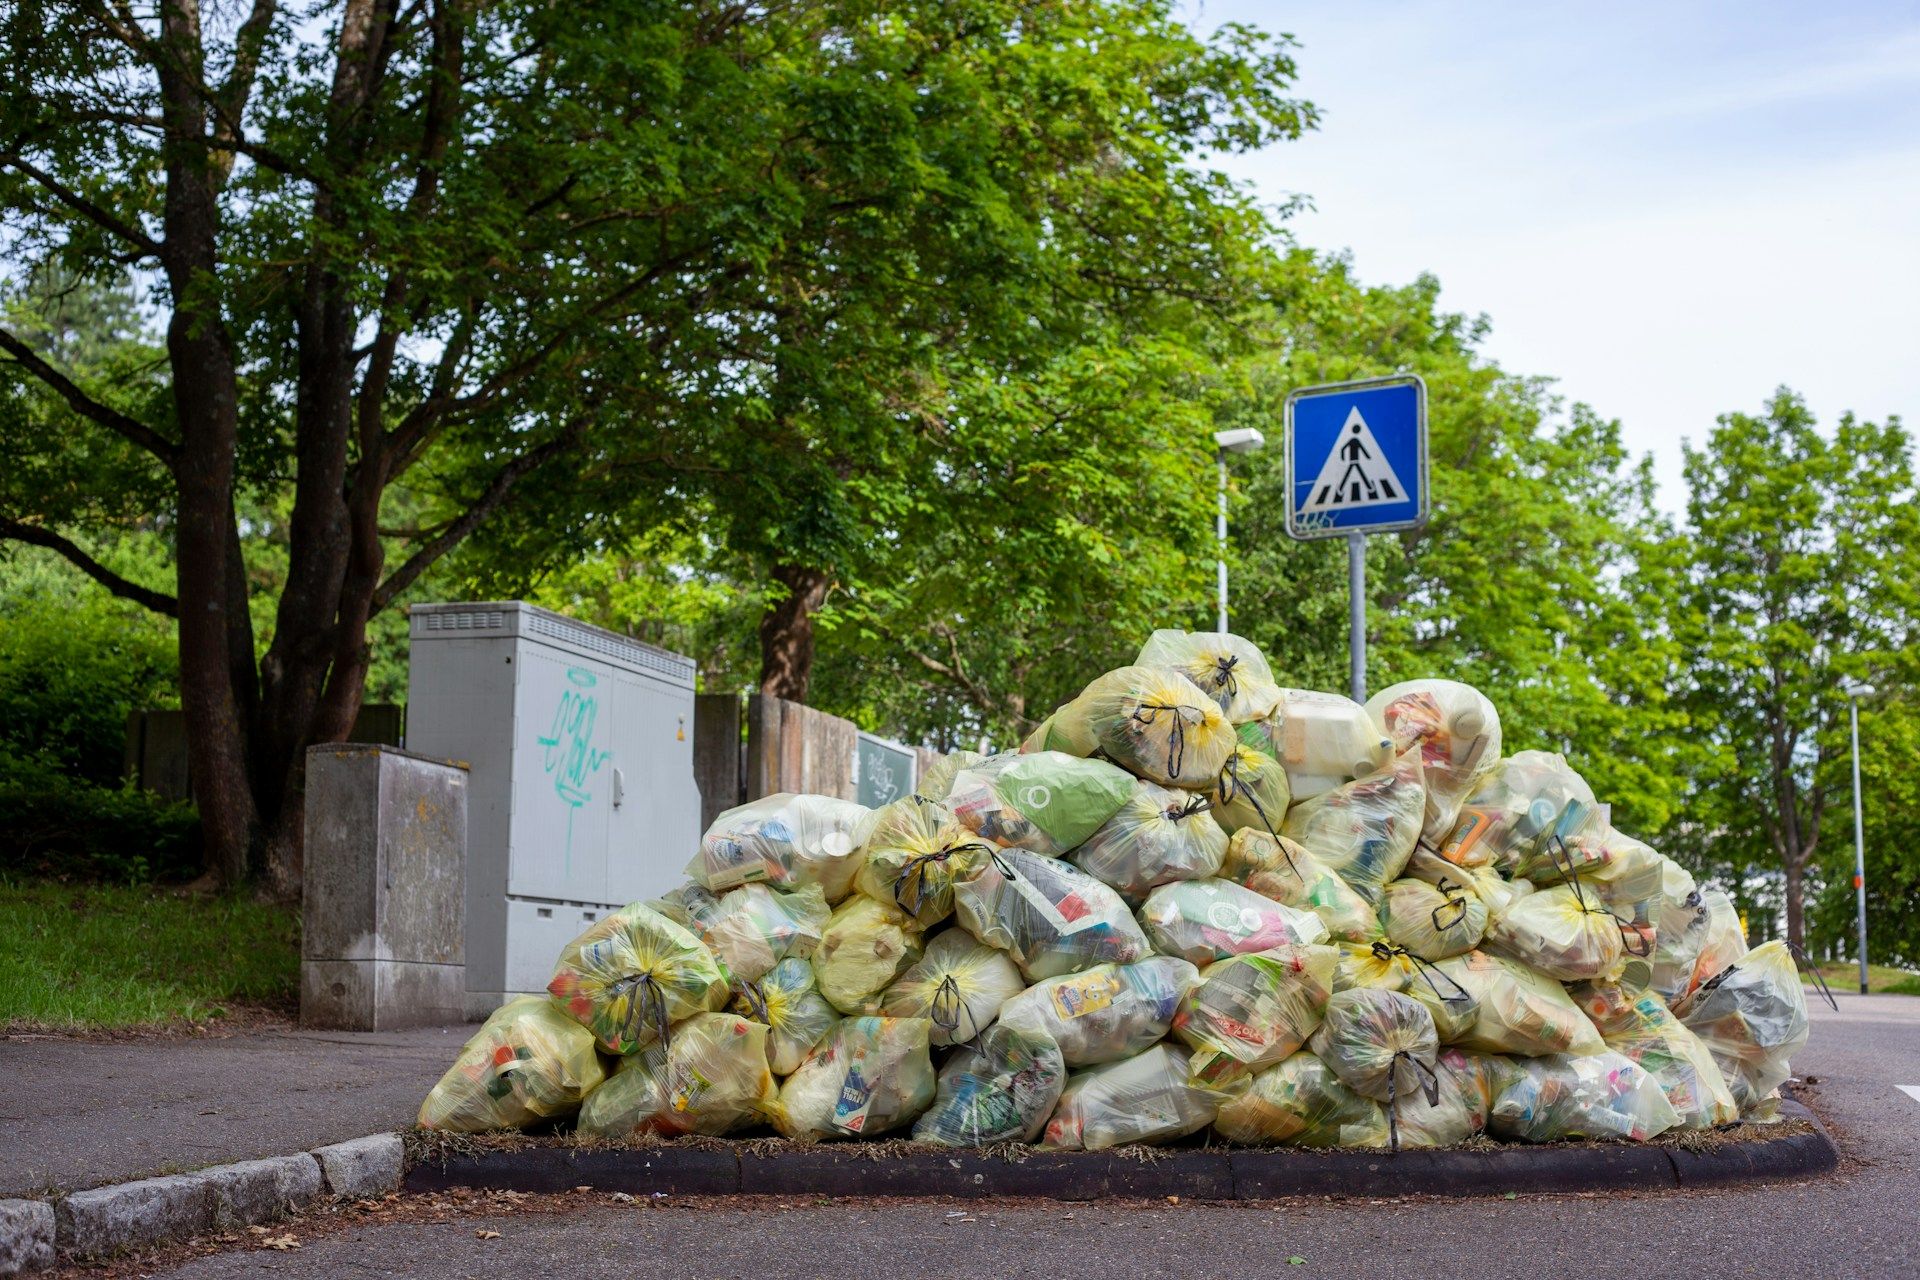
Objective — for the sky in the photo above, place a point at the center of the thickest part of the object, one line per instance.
(1670, 208)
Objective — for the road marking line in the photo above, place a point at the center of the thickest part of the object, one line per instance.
(1911, 1090)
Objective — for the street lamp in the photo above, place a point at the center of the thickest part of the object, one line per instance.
(1856, 691)
(1239, 440)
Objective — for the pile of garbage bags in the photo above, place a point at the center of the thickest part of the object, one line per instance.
(1193, 898)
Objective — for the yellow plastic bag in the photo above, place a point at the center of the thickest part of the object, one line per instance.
(1001, 1088)
(1464, 1086)
(870, 1075)
(1752, 1018)
(1158, 836)
(1251, 791)
(915, 849)
(1302, 1103)
(1391, 967)
(712, 1078)
(1493, 889)
(1520, 1011)
(1560, 932)
(1322, 740)
(1158, 725)
(1641, 1027)
(797, 1016)
(1147, 1098)
(1365, 829)
(1275, 867)
(1433, 921)
(528, 1062)
(1049, 915)
(1599, 1095)
(1382, 1043)
(1207, 920)
(1229, 669)
(1621, 874)
(1520, 802)
(1698, 941)
(786, 840)
(867, 944)
(750, 929)
(633, 973)
(1457, 732)
(1111, 1011)
(937, 781)
(1253, 1011)
(958, 985)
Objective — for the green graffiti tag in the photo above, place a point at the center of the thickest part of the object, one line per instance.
(569, 757)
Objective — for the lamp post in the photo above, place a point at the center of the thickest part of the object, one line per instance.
(1240, 440)
(1855, 692)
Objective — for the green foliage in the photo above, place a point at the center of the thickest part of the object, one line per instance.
(1890, 807)
(100, 957)
(54, 825)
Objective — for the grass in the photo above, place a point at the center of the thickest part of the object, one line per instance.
(1843, 975)
(108, 957)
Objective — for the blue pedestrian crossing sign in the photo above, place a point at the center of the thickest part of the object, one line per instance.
(1357, 457)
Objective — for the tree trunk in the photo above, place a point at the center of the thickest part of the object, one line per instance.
(1795, 862)
(786, 632)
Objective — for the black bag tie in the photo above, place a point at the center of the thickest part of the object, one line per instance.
(1457, 903)
(1425, 1077)
(1628, 933)
(946, 1007)
(1231, 786)
(1195, 804)
(1224, 678)
(1819, 978)
(1387, 951)
(1147, 712)
(915, 869)
(756, 997)
(646, 1003)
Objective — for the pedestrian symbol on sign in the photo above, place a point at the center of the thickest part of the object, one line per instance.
(1356, 472)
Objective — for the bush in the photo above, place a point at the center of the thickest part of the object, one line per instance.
(55, 825)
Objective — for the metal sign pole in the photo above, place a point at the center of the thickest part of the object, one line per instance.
(1859, 847)
(1220, 531)
(1357, 615)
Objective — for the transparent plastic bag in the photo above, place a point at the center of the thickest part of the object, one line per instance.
(867, 944)
(712, 1078)
(1560, 932)
(1049, 915)
(1599, 1095)
(1229, 669)
(870, 1075)
(1623, 875)
(1382, 1043)
(1489, 885)
(1457, 732)
(1146, 1098)
(1640, 1026)
(753, 928)
(1322, 740)
(1159, 835)
(1433, 921)
(937, 781)
(1158, 725)
(634, 972)
(1251, 791)
(527, 1063)
(958, 985)
(915, 850)
(797, 1016)
(1207, 920)
(1253, 1011)
(1464, 1086)
(1520, 1012)
(1752, 1018)
(1275, 867)
(1365, 829)
(1391, 967)
(1000, 1088)
(1707, 938)
(1519, 802)
(1045, 802)
(1107, 1013)
(786, 840)
(1302, 1103)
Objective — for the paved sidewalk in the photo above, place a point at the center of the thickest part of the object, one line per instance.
(80, 1113)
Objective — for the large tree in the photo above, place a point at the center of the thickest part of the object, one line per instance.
(1803, 573)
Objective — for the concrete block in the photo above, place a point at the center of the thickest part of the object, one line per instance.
(132, 1215)
(26, 1236)
(383, 925)
(261, 1190)
(366, 1167)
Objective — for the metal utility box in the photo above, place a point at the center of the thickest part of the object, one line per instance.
(581, 792)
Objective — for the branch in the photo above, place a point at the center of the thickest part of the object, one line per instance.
(484, 506)
(246, 63)
(34, 535)
(99, 215)
(86, 406)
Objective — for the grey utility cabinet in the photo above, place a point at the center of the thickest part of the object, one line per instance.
(581, 791)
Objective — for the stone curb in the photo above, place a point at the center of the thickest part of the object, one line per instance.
(150, 1211)
(1191, 1174)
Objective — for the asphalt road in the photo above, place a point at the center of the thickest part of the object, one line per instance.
(1864, 1222)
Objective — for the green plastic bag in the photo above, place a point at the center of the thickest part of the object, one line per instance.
(1001, 1088)
(1229, 669)
(867, 944)
(1207, 920)
(1046, 802)
(528, 1062)
(958, 985)
(1158, 836)
(633, 973)
(1302, 1103)
(797, 1016)
(1252, 1011)
(1109, 1012)
(1147, 1098)
(712, 1079)
(1366, 829)
(868, 1076)
(1275, 867)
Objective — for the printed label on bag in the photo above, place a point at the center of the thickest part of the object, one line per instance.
(1045, 907)
(688, 1088)
(856, 1096)
(1088, 993)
